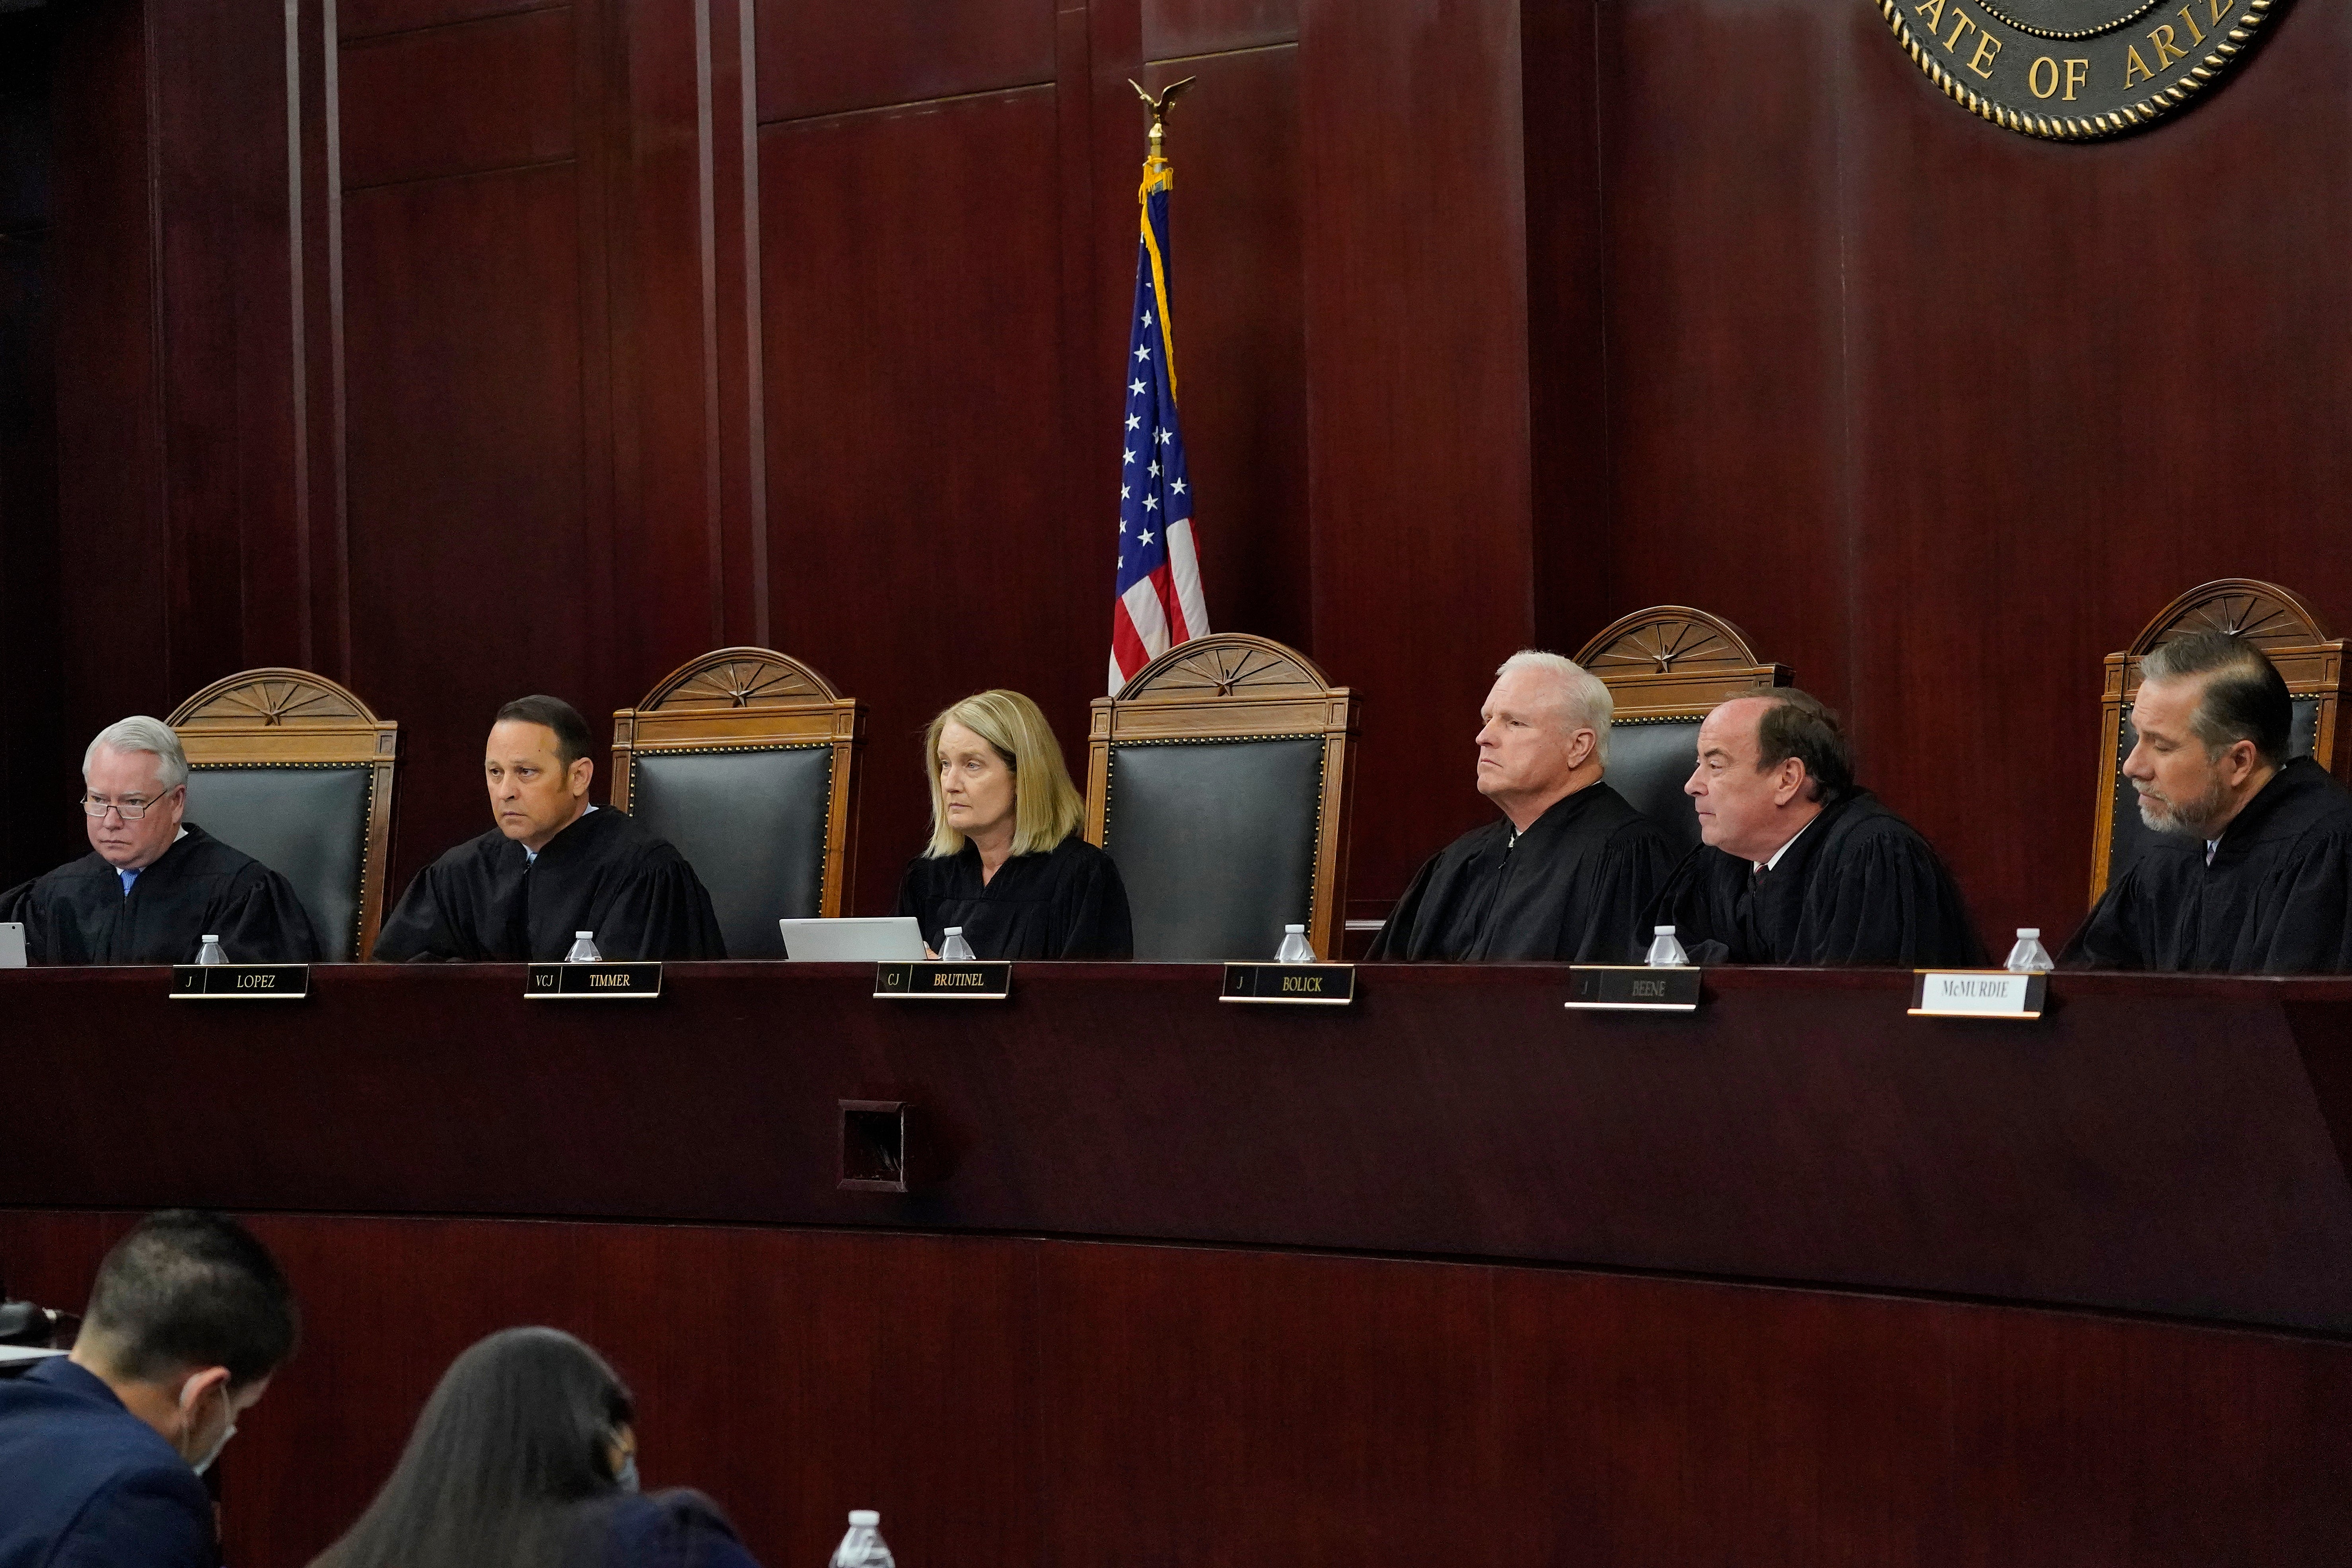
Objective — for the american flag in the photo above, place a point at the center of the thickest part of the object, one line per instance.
(1159, 602)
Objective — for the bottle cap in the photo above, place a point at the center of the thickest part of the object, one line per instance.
(955, 930)
(1300, 930)
(582, 933)
(212, 938)
(1662, 931)
(865, 1518)
(2034, 932)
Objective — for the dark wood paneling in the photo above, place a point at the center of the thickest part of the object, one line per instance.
(1173, 29)
(372, 18)
(920, 546)
(458, 100)
(823, 57)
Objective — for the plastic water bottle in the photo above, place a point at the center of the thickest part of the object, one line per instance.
(1665, 952)
(212, 951)
(954, 949)
(1294, 948)
(2028, 956)
(584, 948)
(863, 1547)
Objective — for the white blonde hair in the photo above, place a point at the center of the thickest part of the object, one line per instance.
(1584, 700)
(140, 734)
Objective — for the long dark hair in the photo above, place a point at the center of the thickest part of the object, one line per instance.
(512, 1444)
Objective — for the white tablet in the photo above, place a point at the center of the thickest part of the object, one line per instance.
(854, 939)
(12, 944)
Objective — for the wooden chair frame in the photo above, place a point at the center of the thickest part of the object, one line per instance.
(292, 719)
(2276, 619)
(753, 699)
(1230, 685)
(1672, 662)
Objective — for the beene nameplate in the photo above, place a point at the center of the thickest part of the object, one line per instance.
(943, 982)
(1634, 988)
(1978, 994)
(240, 982)
(1327, 984)
(593, 982)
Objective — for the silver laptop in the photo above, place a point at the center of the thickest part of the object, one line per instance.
(12, 944)
(854, 939)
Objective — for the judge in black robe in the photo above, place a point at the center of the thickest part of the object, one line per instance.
(80, 913)
(1568, 868)
(1799, 866)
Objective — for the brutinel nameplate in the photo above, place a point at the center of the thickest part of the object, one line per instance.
(943, 982)
(1634, 988)
(1327, 984)
(593, 982)
(240, 982)
(1978, 994)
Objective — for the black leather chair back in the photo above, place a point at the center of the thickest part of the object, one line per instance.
(309, 824)
(751, 823)
(1215, 841)
(2130, 835)
(1650, 760)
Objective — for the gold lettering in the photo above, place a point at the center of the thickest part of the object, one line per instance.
(2033, 78)
(2134, 63)
(1986, 46)
(1960, 23)
(1934, 11)
(2076, 77)
(1303, 983)
(256, 982)
(2166, 53)
(2196, 34)
(609, 981)
(2221, 9)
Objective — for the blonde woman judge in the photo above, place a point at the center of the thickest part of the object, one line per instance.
(1005, 861)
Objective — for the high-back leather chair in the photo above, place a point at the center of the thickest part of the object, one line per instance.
(2273, 618)
(746, 760)
(1219, 781)
(296, 771)
(1664, 668)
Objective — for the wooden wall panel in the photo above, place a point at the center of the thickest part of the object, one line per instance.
(1175, 29)
(458, 100)
(822, 56)
(357, 19)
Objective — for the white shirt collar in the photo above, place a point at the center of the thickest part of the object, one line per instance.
(1767, 865)
(531, 856)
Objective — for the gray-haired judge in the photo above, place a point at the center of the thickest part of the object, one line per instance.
(1566, 872)
(154, 885)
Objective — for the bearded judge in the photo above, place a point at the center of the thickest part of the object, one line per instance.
(553, 866)
(154, 885)
(2251, 868)
(1564, 873)
(1798, 865)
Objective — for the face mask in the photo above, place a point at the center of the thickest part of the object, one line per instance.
(627, 1479)
(226, 1433)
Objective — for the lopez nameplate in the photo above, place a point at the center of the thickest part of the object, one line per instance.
(1635, 988)
(593, 982)
(1329, 984)
(949, 982)
(240, 982)
(1978, 994)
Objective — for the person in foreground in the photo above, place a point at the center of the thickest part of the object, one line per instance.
(553, 866)
(526, 1456)
(154, 886)
(1797, 865)
(2252, 868)
(1006, 861)
(102, 1452)
(1570, 866)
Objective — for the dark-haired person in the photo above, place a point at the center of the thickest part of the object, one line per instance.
(1798, 865)
(526, 1456)
(552, 867)
(102, 1452)
(2251, 870)
(1006, 861)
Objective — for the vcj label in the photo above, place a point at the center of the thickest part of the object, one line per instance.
(240, 982)
(943, 982)
(592, 982)
(1331, 984)
(1978, 994)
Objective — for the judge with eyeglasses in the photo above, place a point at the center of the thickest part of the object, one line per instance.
(153, 886)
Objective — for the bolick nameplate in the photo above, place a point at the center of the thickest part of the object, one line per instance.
(1328, 985)
(943, 982)
(593, 982)
(1978, 994)
(1634, 988)
(240, 982)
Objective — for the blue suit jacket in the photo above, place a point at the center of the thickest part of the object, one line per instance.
(89, 1485)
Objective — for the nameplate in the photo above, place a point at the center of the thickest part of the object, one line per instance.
(1633, 987)
(593, 982)
(240, 982)
(944, 981)
(1329, 984)
(1978, 994)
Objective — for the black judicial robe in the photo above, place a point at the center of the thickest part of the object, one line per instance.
(79, 913)
(1858, 886)
(1068, 903)
(2277, 899)
(1569, 889)
(486, 901)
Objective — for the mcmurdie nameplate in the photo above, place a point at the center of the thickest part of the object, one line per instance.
(1329, 984)
(2075, 70)
(943, 982)
(1978, 994)
(593, 982)
(240, 982)
(1634, 987)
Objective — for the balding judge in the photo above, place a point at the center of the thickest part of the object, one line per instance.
(1564, 874)
(2251, 870)
(154, 885)
(1798, 865)
(553, 866)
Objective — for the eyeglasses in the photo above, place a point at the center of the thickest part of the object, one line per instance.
(130, 810)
